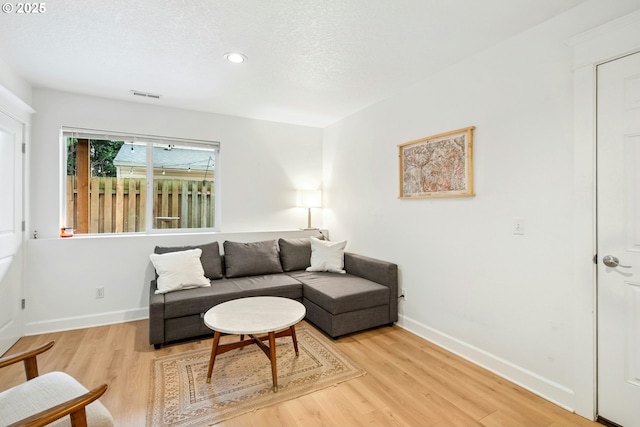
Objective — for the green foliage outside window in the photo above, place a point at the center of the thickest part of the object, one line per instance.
(102, 153)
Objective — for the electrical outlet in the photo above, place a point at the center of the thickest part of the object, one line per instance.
(100, 292)
(403, 293)
(518, 226)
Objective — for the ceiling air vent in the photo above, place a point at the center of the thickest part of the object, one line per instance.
(145, 94)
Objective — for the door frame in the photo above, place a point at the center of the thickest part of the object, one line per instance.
(15, 264)
(607, 42)
(18, 110)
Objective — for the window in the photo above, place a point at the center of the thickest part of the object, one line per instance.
(120, 183)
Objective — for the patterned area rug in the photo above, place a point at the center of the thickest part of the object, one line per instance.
(241, 380)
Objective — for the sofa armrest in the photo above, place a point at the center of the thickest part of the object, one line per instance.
(382, 272)
(156, 316)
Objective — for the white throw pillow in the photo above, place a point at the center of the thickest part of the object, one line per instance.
(327, 256)
(179, 270)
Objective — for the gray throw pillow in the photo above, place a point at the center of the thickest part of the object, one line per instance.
(210, 258)
(251, 259)
(295, 254)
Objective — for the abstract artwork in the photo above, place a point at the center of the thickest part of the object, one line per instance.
(437, 166)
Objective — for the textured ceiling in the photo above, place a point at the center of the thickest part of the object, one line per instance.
(310, 62)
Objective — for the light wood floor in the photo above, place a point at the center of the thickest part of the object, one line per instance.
(409, 382)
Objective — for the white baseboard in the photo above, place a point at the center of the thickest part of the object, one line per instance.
(543, 387)
(80, 322)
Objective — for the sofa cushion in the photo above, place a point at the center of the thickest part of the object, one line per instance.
(199, 300)
(210, 258)
(341, 293)
(295, 254)
(270, 285)
(194, 301)
(251, 259)
(327, 256)
(179, 270)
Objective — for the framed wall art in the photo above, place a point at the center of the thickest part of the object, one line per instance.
(437, 166)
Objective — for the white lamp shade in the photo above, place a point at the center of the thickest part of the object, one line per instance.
(309, 198)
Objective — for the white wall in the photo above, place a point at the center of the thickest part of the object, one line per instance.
(63, 274)
(15, 92)
(261, 165)
(506, 301)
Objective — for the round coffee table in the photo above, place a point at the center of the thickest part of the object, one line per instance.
(274, 316)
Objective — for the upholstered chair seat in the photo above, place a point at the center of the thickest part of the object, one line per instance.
(52, 399)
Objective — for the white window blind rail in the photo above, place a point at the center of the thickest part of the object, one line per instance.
(72, 132)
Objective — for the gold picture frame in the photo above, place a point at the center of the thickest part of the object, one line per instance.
(437, 166)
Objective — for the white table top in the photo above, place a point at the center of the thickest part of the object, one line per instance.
(254, 315)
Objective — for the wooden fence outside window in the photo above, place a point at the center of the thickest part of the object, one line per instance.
(118, 205)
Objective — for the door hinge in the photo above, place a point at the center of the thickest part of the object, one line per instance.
(24, 147)
(24, 225)
(595, 259)
(24, 303)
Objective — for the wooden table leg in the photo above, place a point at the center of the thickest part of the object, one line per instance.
(270, 351)
(214, 352)
(295, 340)
(272, 356)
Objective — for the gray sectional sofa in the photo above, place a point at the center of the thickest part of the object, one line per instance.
(364, 297)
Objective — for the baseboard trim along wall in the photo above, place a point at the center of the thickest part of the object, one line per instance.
(80, 322)
(543, 387)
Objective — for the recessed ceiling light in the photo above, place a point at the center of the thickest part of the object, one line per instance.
(235, 57)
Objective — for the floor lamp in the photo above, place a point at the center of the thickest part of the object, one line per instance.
(309, 199)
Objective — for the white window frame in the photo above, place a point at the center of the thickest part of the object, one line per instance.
(150, 140)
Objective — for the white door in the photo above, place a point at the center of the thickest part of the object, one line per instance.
(618, 216)
(11, 235)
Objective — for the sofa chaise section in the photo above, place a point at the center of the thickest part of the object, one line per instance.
(363, 298)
